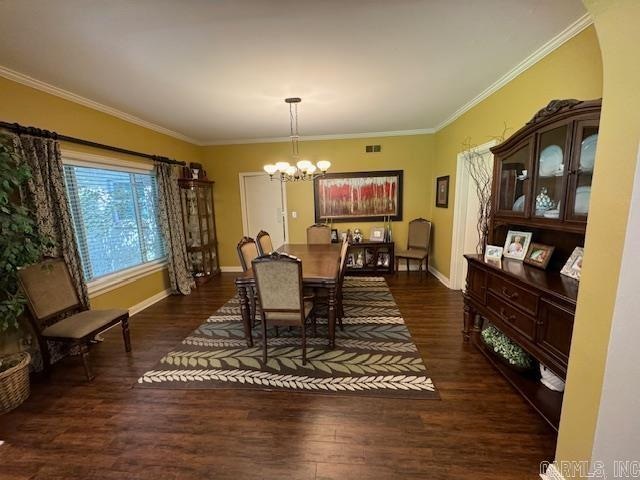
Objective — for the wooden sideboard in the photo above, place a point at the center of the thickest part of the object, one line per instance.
(541, 184)
(533, 307)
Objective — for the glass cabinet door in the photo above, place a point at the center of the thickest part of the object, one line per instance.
(513, 189)
(581, 170)
(550, 179)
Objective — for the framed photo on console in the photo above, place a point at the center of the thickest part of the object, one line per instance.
(539, 255)
(516, 245)
(573, 267)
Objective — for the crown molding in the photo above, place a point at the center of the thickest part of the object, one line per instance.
(59, 92)
(567, 34)
(390, 133)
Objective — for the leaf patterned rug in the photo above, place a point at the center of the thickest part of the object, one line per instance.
(374, 354)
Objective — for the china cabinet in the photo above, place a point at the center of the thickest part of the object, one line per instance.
(541, 184)
(196, 197)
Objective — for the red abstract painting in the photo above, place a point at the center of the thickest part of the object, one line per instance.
(359, 196)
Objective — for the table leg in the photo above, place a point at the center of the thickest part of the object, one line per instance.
(331, 302)
(246, 314)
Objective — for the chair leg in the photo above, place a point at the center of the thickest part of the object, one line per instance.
(46, 356)
(264, 340)
(408, 265)
(84, 352)
(277, 330)
(313, 324)
(340, 312)
(125, 334)
(304, 345)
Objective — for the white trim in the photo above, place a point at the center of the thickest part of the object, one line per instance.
(332, 136)
(567, 34)
(243, 204)
(138, 307)
(233, 269)
(440, 276)
(123, 277)
(67, 95)
(460, 213)
(552, 473)
(83, 159)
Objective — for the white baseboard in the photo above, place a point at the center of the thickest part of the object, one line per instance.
(443, 280)
(138, 307)
(234, 269)
(552, 473)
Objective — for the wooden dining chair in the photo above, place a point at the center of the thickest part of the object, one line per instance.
(321, 293)
(58, 315)
(247, 251)
(263, 242)
(278, 279)
(418, 244)
(319, 234)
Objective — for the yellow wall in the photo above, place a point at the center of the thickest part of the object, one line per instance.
(28, 106)
(413, 154)
(616, 24)
(574, 70)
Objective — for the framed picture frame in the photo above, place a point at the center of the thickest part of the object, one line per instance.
(516, 245)
(539, 255)
(573, 267)
(442, 192)
(493, 253)
(377, 234)
(335, 238)
(358, 196)
(351, 260)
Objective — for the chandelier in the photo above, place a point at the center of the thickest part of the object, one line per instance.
(298, 169)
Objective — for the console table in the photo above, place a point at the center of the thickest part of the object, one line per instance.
(377, 258)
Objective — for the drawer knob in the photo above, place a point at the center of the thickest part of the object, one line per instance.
(505, 317)
(508, 294)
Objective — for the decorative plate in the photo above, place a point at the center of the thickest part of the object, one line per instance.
(588, 152)
(518, 205)
(550, 160)
(583, 195)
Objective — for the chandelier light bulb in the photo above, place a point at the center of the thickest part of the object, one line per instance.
(270, 169)
(324, 165)
(311, 170)
(282, 166)
(303, 165)
(291, 170)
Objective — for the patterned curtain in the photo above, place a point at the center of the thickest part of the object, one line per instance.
(45, 195)
(47, 199)
(172, 226)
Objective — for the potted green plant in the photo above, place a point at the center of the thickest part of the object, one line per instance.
(20, 244)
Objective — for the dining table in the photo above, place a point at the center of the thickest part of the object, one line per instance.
(320, 270)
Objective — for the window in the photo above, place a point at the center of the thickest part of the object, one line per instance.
(115, 215)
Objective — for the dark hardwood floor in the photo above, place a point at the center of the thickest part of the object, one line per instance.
(70, 429)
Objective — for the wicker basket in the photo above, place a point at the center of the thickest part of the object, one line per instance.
(14, 382)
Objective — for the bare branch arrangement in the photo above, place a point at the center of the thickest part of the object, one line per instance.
(481, 173)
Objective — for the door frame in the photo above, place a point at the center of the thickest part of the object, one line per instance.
(460, 214)
(243, 204)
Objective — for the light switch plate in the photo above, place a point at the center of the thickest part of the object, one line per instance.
(294, 214)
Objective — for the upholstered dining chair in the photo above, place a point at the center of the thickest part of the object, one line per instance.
(51, 295)
(319, 234)
(278, 279)
(263, 242)
(247, 251)
(418, 244)
(321, 293)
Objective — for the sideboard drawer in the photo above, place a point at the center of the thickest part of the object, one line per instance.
(514, 294)
(511, 316)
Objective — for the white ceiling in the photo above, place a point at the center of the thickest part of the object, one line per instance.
(219, 70)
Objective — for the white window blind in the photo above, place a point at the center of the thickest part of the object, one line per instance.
(115, 215)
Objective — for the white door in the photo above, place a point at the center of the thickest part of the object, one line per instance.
(263, 207)
(465, 217)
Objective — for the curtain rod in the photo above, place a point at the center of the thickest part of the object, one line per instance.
(37, 132)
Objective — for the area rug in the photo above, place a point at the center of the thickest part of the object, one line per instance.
(374, 354)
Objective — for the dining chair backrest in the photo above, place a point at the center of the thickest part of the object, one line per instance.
(263, 241)
(278, 279)
(343, 259)
(48, 289)
(419, 234)
(247, 251)
(319, 234)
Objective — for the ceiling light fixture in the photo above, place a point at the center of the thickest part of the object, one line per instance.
(298, 169)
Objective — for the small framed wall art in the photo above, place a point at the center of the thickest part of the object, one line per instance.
(442, 192)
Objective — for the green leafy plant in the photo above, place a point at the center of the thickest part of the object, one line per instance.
(20, 244)
(503, 346)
